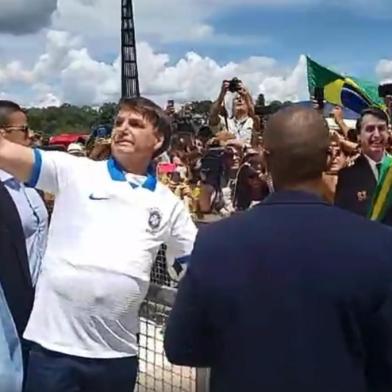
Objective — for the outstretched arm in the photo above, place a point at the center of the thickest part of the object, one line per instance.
(16, 160)
(217, 105)
(48, 171)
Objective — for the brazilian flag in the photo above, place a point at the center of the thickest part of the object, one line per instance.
(345, 91)
(382, 199)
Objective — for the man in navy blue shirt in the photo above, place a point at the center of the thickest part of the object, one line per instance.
(294, 295)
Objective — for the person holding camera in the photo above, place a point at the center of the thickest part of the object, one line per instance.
(243, 122)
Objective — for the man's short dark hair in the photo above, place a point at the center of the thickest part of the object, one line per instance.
(372, 111)
(153, 114)
(296, 141)
(6, 109)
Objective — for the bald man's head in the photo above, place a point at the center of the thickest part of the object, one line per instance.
(297, 141)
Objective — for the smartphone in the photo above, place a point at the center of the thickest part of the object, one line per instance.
(170, 103)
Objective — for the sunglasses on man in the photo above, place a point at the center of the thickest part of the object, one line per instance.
(23, 128)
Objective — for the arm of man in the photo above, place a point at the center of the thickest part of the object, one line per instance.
(16, 159)
(48, 171)
(181, 241)
(339, 119)
(217, 105)
(189, 335)
(348, 147)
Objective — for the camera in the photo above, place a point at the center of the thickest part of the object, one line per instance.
(212, 166)
(235, 85)
(385, 90)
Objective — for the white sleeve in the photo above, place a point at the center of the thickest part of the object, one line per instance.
(52, 170)
(181, 241)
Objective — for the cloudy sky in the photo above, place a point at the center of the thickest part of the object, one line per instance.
(55, 51)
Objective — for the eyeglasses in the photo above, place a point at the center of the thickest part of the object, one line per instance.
(23, 128)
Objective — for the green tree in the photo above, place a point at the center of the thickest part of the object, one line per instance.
(106, 113)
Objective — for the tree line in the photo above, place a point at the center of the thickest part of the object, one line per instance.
(81, 119)
(69, 118)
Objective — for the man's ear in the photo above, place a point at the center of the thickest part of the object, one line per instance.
(160, 139)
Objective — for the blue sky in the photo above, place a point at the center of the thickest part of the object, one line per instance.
(342, 38)
(187, 47)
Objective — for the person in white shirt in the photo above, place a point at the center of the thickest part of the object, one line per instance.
(84, 322)
(243, 122)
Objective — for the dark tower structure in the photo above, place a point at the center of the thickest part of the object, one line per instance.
(129, 72)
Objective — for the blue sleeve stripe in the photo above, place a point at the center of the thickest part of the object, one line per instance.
(184, 260)
(34, 178)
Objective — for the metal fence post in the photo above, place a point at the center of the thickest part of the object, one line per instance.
(202, 380)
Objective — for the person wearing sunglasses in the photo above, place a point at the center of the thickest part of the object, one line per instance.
(252, 187)
(31, 208)
(16, 287)
(357, 183)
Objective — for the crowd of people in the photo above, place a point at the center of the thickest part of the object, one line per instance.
(70, 296)
(215, 164)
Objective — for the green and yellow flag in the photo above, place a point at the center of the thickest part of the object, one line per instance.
(382, 199)
(345, 91)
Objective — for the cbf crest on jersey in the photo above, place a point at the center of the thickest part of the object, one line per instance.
(154, 219)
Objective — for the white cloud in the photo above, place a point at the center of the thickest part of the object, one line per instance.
(384, 70)
(14, 72)
(58, 46)
(69, 69)
(87, 81)
(67, 72)
(196, 77)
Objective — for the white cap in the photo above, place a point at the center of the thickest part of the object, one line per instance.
(75, 148)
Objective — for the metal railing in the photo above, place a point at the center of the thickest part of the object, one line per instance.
(156, 374)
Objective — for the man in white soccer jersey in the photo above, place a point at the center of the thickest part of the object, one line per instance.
(85, 316)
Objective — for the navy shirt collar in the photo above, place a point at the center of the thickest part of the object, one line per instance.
(293, 197)
(117, 174)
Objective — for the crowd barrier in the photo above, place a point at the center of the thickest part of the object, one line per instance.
(156, 374)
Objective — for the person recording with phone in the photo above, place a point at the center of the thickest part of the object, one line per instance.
(242, 122)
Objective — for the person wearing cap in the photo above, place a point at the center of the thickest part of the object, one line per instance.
(76, 150)
(109, 221)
